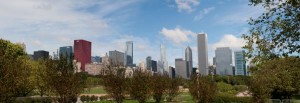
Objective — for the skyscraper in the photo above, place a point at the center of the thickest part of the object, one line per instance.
(181, 68)
(224, 61)
(163, 60)
(66, 51)
(148, 63)
(82, 52)
(202, 54)
(129, 53)
(116, 58)
(154, 66)
(240, 63)
(40, 54)
(189, 60)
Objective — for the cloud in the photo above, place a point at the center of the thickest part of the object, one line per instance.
(48, 25)
(177, 35)
(229, 40)
(203, 13)
(186, 5)
(240, 15)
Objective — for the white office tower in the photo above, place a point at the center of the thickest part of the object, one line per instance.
(189, 60)
(202, 54)
(224, 61)
(163, 63)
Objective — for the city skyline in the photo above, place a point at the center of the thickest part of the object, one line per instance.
(52, 25)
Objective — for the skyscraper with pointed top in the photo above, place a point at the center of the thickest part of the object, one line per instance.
(163, 60)
(202, 53)
(189, 60)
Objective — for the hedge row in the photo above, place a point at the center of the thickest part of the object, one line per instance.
(86, 98)
(232, 99)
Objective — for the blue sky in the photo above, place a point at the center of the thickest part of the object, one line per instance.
(108, 24)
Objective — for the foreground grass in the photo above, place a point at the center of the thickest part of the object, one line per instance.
(184, 97)
(94, 90)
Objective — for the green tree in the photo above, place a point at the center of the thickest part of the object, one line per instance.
(173, 88)
(12, 70)
(139, 85)
(64, 80)
(274, 33)
(277, 78)
(202, 89)
(114, 82)
(158, 86)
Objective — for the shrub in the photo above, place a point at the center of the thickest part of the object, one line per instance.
(232, 99)
(94, 98)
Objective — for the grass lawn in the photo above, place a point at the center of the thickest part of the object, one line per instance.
(182, 98)
(95, 90)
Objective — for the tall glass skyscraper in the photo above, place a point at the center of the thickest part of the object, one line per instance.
(66, 51)
(163, 60)
(189, 59)
(240, 63)
(202, 54)
(148, 63)
(129, 53)
(224, 61)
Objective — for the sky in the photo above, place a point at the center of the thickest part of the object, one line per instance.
(108, 24)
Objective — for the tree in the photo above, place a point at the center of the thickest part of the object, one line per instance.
(158, 86)
(202, 89)
(274, 33)
(12, 70)
(114, 81)
(173, 88)
(41, 77)
(277, 78)
(138, 85)
(64, 80)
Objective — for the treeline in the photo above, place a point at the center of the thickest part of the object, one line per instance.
(21, 77)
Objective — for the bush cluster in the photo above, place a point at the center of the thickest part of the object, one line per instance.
(231, 99)
(86, 98)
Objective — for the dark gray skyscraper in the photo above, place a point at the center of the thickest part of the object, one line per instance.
(189, 59)
(129, 53)
(224, 61)
(202, 54)
(41, 54)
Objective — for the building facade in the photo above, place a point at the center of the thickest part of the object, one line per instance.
(224, 61)
(66, 51)
(40, 54)
(116, 58)
(148, 63)
(240, 63)
(96, 59)
(163, 63)
(181, 68)
(129, 54)
(82, 52)
(202, 54)
(189, 60)
(154, 66)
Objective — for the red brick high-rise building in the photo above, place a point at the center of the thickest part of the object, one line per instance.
(82, 52)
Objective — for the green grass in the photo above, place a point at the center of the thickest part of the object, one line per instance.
(95, 90)
(184, 97)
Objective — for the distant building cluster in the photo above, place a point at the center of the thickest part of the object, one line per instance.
(225, 61)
